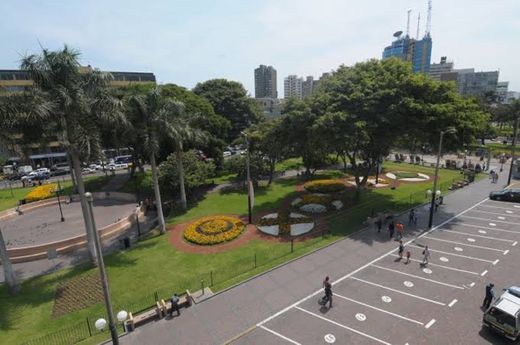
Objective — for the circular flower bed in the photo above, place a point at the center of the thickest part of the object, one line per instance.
(407, 176)
(325, 186)
(284, 223)
(213, 230)
(317, 203)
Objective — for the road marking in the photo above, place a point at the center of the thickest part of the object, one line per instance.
(487, 228)
(499, 214)
(453, 254)
(343, 326)
(386, 299)
(419, 277)
(458, 249)
(408, 283)
(478, 218)
(442, 266)
(381, 310)
(502, 208)
(452, 303)
(509, 212)
(464, 244)
(472, 284)
(514, 244)
(495, 262)
(398, 291)
(329, 338)
(486, 237)
(484, 273)
(348, 275)
(280, 335)
(429, 324)
(492, 224)
(361, 317)
(506, 252)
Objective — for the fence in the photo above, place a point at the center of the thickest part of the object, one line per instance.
(338, 223)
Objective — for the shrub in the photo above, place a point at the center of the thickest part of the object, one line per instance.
(213, 230)
(325, 186)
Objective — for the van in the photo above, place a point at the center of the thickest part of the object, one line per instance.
(25, 169)
(503, 316)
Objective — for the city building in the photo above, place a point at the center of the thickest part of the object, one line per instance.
(265, 82)
(502, 88)
(271, 107)
(293, 87)
(53, 151)
(417, 52)
(471, 83)
(512, 96)
(443, 67)
(308, 86)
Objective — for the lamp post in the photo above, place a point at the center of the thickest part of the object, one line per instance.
(103, 275)
(248, 169)
(515, 133)
(434, 194)
(137, 223)
(59, 201)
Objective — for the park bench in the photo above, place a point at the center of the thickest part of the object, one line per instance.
(158, 311)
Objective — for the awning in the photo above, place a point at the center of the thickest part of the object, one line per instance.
(48, 155)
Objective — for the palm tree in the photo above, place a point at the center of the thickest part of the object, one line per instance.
(74, 101)
(10, 275)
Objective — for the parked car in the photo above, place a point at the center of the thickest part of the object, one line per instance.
(95, 166)
(227, 154)
(61, 166)
(507, 194)
(36, 176)
(88, 171)
(504, 314)
(59, 172)
(117, 166)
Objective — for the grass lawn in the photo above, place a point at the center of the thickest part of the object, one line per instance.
(154, 265)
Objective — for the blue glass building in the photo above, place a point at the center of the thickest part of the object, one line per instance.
(417, 52)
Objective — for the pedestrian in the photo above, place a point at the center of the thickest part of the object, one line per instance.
(400, 230)
(490, 294)
(407, 257)
(411, 217)
(175, 305)
(391, 229)
(328, 290)
(426, 256)
(495, 177)
(401, 250)
(379, 224)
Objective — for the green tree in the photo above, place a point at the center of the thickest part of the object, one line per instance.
(230, 100)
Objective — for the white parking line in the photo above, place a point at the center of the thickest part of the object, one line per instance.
(502, 208)
(464, 244)
(466, 234)
(280, 312)
(378, 309)
(514, 244)
(484, 273)
(442, 266)
(343, 326)
(452, 303)
(280, 335)
(429, 324)
(487, 219)
(453, 254)
(495, 262)
(419, 277)
(498, 214)
(398, 291)
(506, 252)
(487, 228)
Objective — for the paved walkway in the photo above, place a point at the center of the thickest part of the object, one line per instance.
(232, 312)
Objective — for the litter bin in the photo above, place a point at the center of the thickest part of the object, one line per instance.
(126, 242)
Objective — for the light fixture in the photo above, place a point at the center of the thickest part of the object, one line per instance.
(100, 324)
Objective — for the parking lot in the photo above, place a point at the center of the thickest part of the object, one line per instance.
(389, 301)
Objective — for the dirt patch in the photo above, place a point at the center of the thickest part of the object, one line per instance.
(77, 293)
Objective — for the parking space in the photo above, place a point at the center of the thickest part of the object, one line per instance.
(395, 301)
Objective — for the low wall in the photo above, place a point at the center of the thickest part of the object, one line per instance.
(37, 252)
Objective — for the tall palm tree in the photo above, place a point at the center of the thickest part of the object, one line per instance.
(76, 102)
(152, 117)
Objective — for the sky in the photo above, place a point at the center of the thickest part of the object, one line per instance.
(190, 41)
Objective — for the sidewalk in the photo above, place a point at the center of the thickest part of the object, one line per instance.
(234, 311)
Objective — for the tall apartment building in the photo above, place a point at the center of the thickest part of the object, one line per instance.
(502, 89)
(473, 83)
(53, 152)
(437, 69)
(417, 52)
(293, 87)
(265, 82)
(308, 86)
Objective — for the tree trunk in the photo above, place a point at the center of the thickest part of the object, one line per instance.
(10, 276)
(72, 177)
(272, 166)
(158, 202)
(184, 203)
(76, 164)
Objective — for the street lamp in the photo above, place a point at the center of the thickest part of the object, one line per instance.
(100, 324)
(104, 282)
(137, 223)
(59, 201)
(515, 133)
(121, 317)
(437, 193)
(248, 168)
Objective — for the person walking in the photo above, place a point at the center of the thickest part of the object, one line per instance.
(391, 229)
(401, 250)
(490, 294)
(400, 230)
(379, 224)
(328, 291)
(411, 217)
(175, 305)
(407, 257)
(426, 256)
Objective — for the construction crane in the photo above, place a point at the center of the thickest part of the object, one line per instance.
(418, 25)
(429, 19)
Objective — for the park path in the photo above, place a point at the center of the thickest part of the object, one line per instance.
(238, 309)
(116, 182)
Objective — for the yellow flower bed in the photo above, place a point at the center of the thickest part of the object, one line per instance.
(314, 199)
(213, 230)
(324, 186)
(42, 192)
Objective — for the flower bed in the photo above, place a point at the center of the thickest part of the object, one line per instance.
(41, 192)
(284, 223)
(317, 203)
(213, 230)
(405, 174)
(325, 186)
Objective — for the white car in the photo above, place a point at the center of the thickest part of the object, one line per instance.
(43, 171)
(227, 154)
(117, 166)
(95, 166)
(88, 171)
(29, 176)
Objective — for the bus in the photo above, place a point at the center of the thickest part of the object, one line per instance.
(123, 159)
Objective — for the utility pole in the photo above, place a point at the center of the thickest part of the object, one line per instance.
(249, 183)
